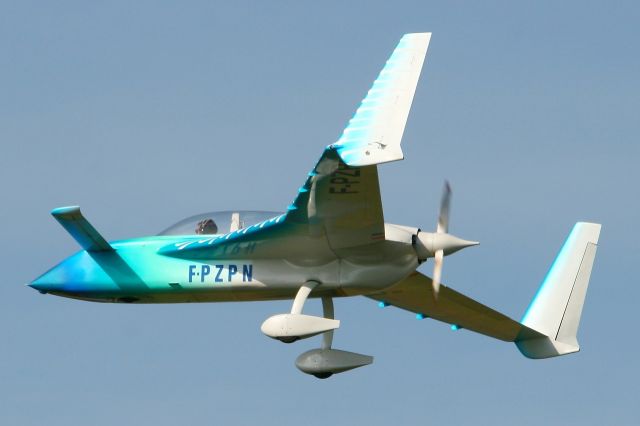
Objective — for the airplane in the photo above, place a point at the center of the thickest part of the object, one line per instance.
(332, 241)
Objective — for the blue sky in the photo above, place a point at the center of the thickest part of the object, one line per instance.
(149, 112)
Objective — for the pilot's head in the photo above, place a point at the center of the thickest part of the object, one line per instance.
(206, 226)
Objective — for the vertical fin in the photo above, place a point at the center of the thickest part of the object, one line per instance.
(557, 307)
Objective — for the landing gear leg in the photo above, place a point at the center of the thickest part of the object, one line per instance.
(327, 337)
(302, 296)
(327, 312)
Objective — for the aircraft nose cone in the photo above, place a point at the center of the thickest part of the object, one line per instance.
(38, 287)
(42, 285)
(51, 281)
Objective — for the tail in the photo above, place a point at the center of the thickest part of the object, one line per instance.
(556, 309)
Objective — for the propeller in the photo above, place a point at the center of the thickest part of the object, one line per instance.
(440, 243)
(442, 228)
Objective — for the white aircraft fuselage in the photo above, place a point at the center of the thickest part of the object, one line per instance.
(258, 271)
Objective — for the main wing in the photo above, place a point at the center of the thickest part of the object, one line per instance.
(340, 199)
(415, 294)
(341, 195)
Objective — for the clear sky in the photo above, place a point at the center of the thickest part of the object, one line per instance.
(146, 112)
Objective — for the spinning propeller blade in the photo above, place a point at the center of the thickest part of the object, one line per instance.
(440, 243)
(437, 272)
(443, 218)
(442, 228)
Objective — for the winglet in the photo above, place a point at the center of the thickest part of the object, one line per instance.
(557, 308)
(80, 229)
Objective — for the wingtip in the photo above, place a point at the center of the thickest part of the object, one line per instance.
(426, 33)
(416, 37)
(592, 228)
(65, 210)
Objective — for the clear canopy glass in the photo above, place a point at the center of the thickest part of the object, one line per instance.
(218, 222)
